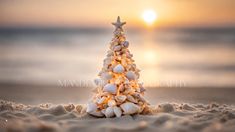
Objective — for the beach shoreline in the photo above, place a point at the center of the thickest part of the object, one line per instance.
(72, 117)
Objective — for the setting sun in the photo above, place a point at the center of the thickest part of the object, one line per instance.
(149, 16)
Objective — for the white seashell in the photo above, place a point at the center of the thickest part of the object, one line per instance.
(119, 80)
(126, 81)
(103, 111)
(139, 97)
(96, 113)
(131, 75)
(110, 53)
(117, 111)
(118, 69)
(125, 44)
(138, 90)
(91, 107)
(109, 112)
(121, 88)
(111, 88)
(111, 103)
(106, 76)
(99, 82)
(130, 108)
(131, 99)
(142, 89)
(120, 98)
(101, 100)
(117, 48)
(129, 90)
(107, 60)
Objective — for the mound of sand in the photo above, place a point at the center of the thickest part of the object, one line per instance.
(72, 118)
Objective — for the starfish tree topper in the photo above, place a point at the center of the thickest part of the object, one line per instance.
(118, 23)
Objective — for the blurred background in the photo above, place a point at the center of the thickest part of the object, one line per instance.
(51, 50)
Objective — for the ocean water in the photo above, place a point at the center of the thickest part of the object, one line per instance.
(166, 57)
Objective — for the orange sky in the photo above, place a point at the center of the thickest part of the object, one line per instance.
(102, 12)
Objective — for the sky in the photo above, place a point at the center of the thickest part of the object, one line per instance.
(96, 13)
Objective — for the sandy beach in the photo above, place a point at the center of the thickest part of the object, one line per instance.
(172, 117)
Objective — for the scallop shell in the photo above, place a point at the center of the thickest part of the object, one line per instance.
(117, 111)
(101, 100)
(111, 88)
(111, 103)
(118, 69)
(109, 112)
(129, 108)
(91, 107)
(120, 98)
(131, 75)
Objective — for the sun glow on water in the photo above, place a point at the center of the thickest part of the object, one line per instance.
(149, 16)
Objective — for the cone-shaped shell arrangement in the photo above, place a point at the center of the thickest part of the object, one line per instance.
(118, 90)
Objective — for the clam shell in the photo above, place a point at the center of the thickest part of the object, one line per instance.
(106, 76)
(120, 98)
(117, 111)
(129, 108)
(96, 113)
(111, 88)
(109, 112)
(91, 107)
(118, 69)
(111, 103)
(131, 75)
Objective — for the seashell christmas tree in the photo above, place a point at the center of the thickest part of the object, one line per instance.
(118, 90)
